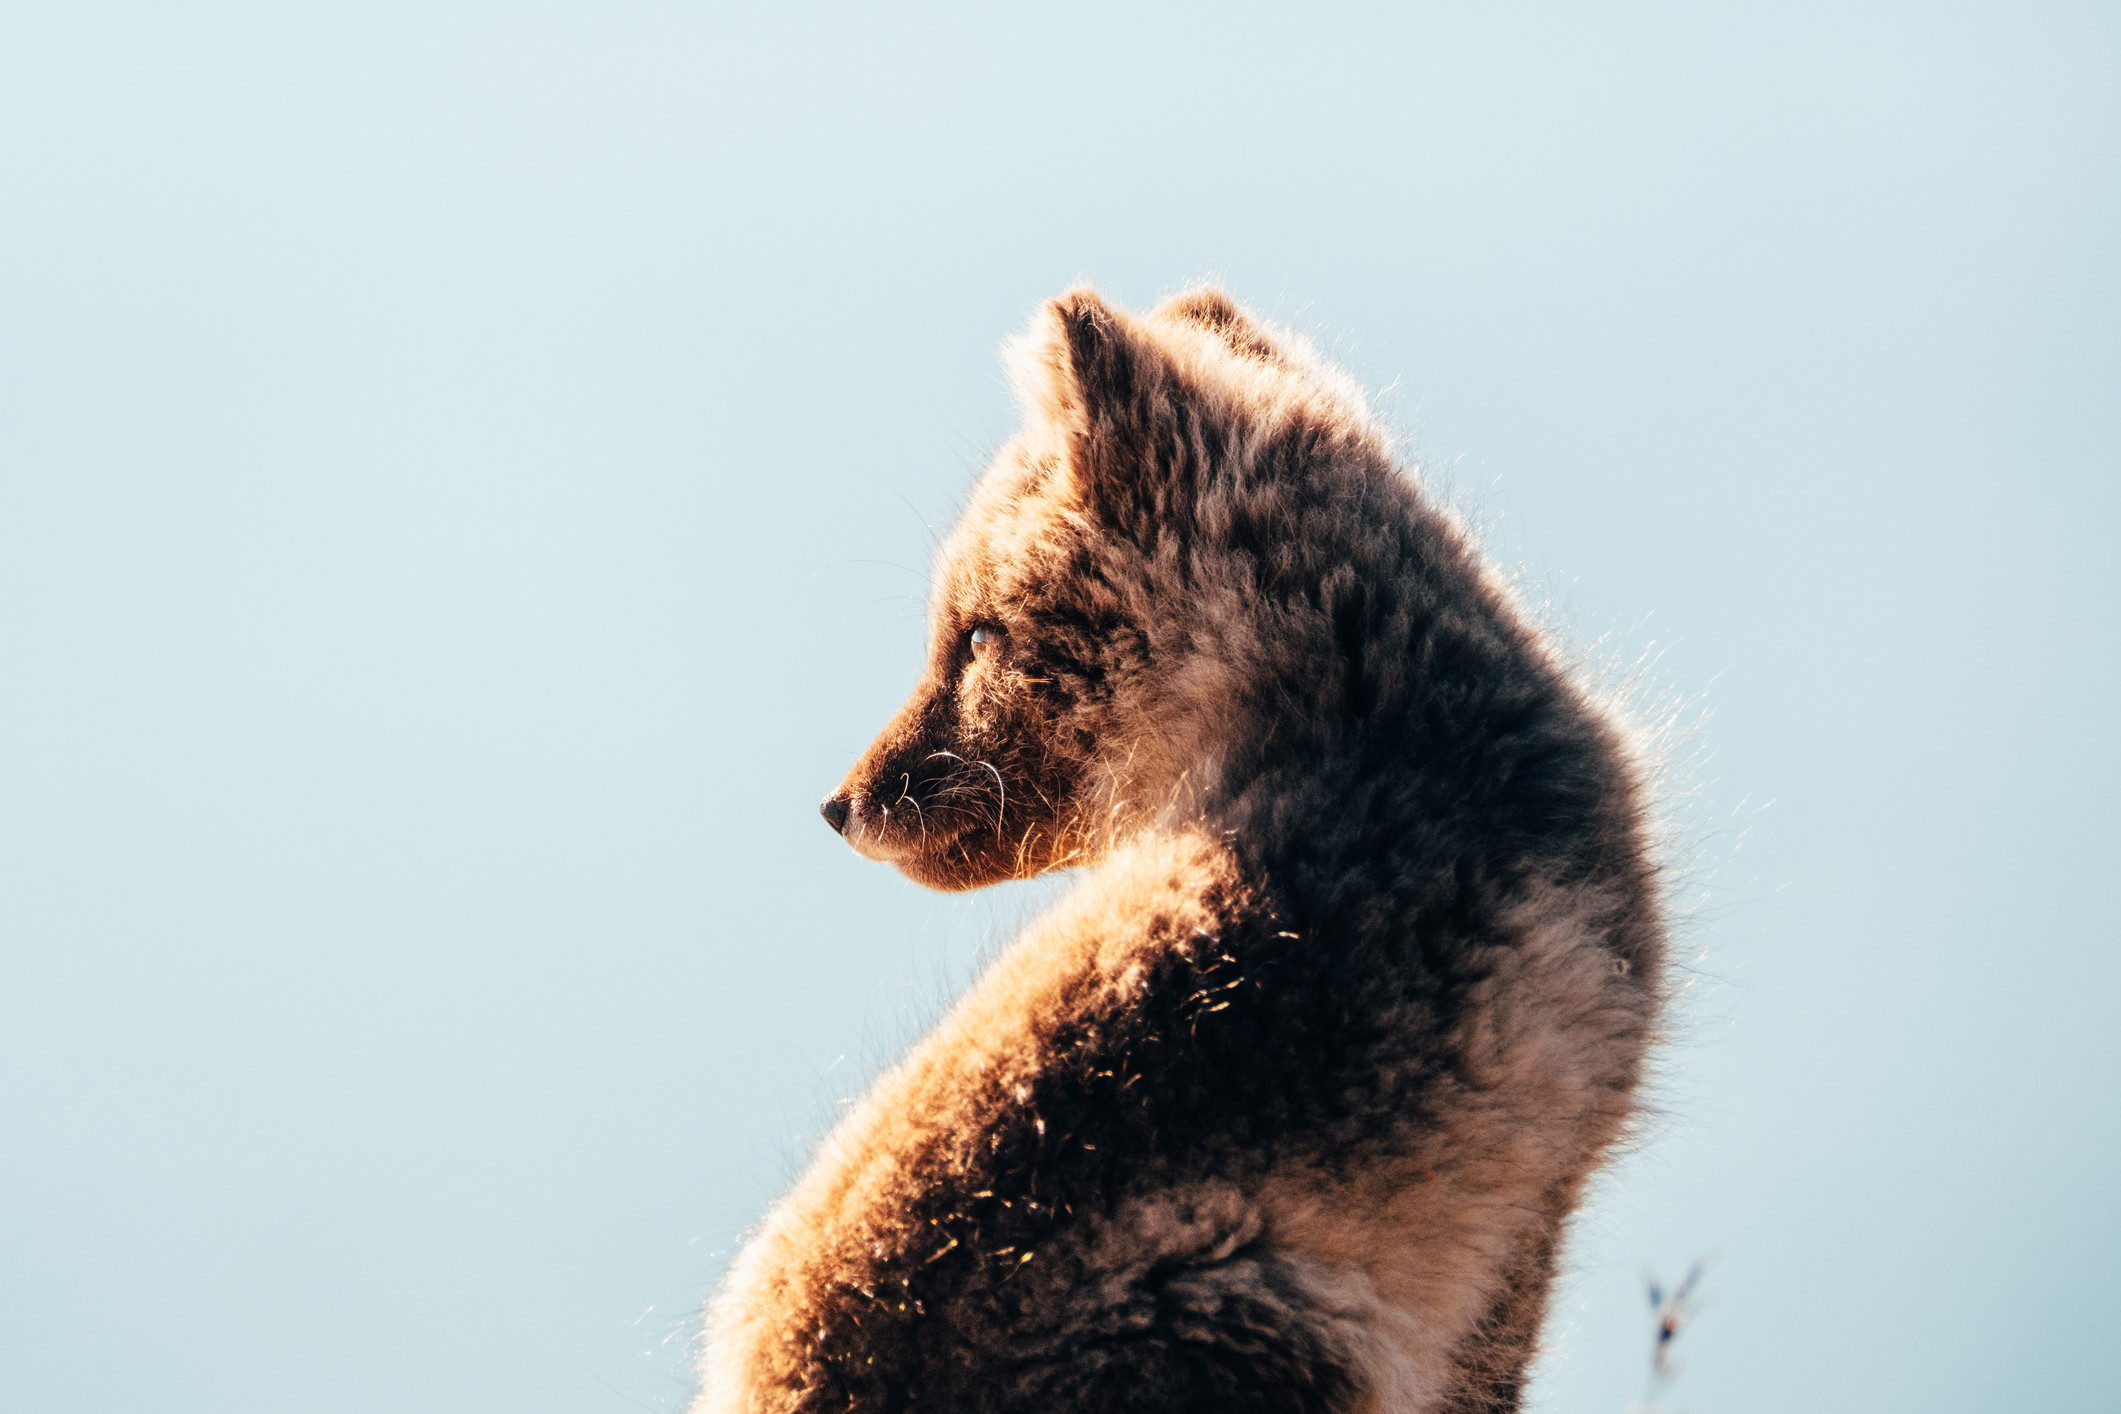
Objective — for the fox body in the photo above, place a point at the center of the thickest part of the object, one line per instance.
(1286, 1106)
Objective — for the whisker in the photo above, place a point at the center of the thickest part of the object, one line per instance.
(999, 787)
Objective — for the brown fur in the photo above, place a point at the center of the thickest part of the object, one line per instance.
(1285, 1108)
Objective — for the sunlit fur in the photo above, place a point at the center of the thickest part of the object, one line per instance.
(1285, 1107)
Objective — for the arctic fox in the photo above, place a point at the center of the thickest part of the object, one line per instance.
(1284, 1109)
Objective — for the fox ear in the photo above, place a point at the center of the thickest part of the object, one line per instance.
(1077, 363)
(1097, 384)
(1208, 308)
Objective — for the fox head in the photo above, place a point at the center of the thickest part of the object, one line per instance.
(1101, 612)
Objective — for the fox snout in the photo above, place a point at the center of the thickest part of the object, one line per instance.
(857, 818)
(904, 799)
(944, 811)
(887, 826)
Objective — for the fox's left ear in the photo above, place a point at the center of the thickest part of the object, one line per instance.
(1098, 384)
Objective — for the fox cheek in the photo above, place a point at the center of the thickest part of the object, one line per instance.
(988, 717)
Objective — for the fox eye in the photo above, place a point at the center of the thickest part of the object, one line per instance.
(985, 640)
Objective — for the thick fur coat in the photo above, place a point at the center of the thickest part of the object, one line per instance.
(1284, 1109)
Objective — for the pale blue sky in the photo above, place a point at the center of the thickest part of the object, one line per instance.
(465, 474)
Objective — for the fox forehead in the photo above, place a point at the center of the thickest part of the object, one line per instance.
(1013, 540)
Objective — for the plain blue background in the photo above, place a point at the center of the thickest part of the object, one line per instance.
(466, 477)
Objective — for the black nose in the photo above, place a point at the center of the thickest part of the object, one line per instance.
(835, 812)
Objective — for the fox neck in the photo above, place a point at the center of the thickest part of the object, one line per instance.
(1337, 775)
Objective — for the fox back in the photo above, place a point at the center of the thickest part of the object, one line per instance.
(1286, 1106)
